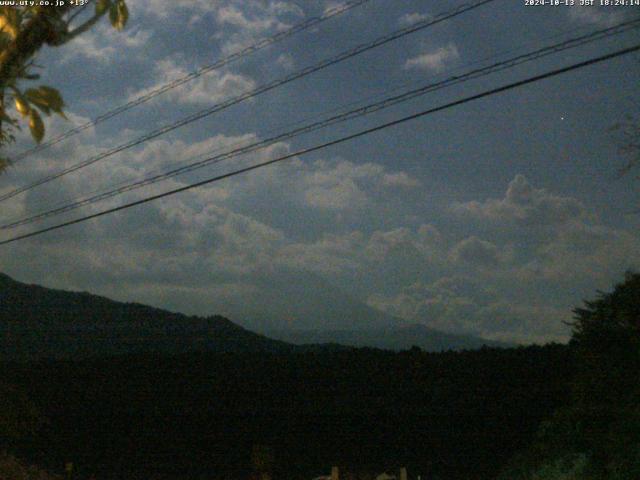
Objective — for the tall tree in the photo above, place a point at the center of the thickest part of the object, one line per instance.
(597, 435)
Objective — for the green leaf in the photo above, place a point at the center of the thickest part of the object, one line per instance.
(10, 23)
(102, 6)
(53, 97)
(119, 14)
(46, 99)
(36, 126)
(113, 15)
(44, 109)
(123, 13)
(36, 99)
(22, 106)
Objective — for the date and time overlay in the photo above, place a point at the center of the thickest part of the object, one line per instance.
(582, 3)
(526, 3)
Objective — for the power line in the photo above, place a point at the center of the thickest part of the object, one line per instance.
(341, 108)
(338, 118)
(337, 141)
(261, 44)
(253, 93)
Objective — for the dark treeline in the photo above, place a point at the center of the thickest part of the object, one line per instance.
(596, 435)
(530, 413)
(443, 415)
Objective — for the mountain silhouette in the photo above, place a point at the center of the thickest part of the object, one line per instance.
(398, 338)
(38, 322)
(304, 308)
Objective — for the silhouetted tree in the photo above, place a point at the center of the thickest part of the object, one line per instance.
(597, 436)
(606, 335)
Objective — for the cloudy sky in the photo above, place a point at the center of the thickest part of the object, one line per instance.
(494, 218)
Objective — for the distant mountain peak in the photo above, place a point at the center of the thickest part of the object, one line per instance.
(40, 322)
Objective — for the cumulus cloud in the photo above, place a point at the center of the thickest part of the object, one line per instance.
(330, 255)
(411, 18)
(382, 242)
(463, 304)
(154, 157)
(474, 251)
(237, 23)
(336, 185)
(336, 195)
(427, 240)
(525, 205)
(555, 244)
(260, 18)
(243, 23)
(201, 223)
(434, 60)
(286, 61)
(341, 184)
(511, 291)
(207, 89)
(465, 282)
(582, 253)
(399, 179)
(103, 44)
(357, 253)
(447, 304)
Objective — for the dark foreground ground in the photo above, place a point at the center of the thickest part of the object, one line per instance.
(442, 415)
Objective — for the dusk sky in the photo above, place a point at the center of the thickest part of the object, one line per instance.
(493, 218)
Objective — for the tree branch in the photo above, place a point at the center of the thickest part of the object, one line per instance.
(83, 28)
(30, 39)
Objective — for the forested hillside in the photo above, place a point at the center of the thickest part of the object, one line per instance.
(199, 415)
(37, 322)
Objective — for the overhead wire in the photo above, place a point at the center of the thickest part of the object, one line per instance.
(335, 119)
(244, 52)
(336, 141)
(381, 93)
(359, 49)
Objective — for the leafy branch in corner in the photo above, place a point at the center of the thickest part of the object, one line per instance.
(23, 31)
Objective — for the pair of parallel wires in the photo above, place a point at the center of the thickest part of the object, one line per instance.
(332, 120)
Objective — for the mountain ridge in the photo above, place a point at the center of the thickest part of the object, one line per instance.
(40, 322)
(398, 338)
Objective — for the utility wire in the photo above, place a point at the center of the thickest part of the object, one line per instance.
(261, 44)
(252, 93)
(337, 141)
(342, 108)
(338, 118)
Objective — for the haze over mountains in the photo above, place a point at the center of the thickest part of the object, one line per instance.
(41, 322)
